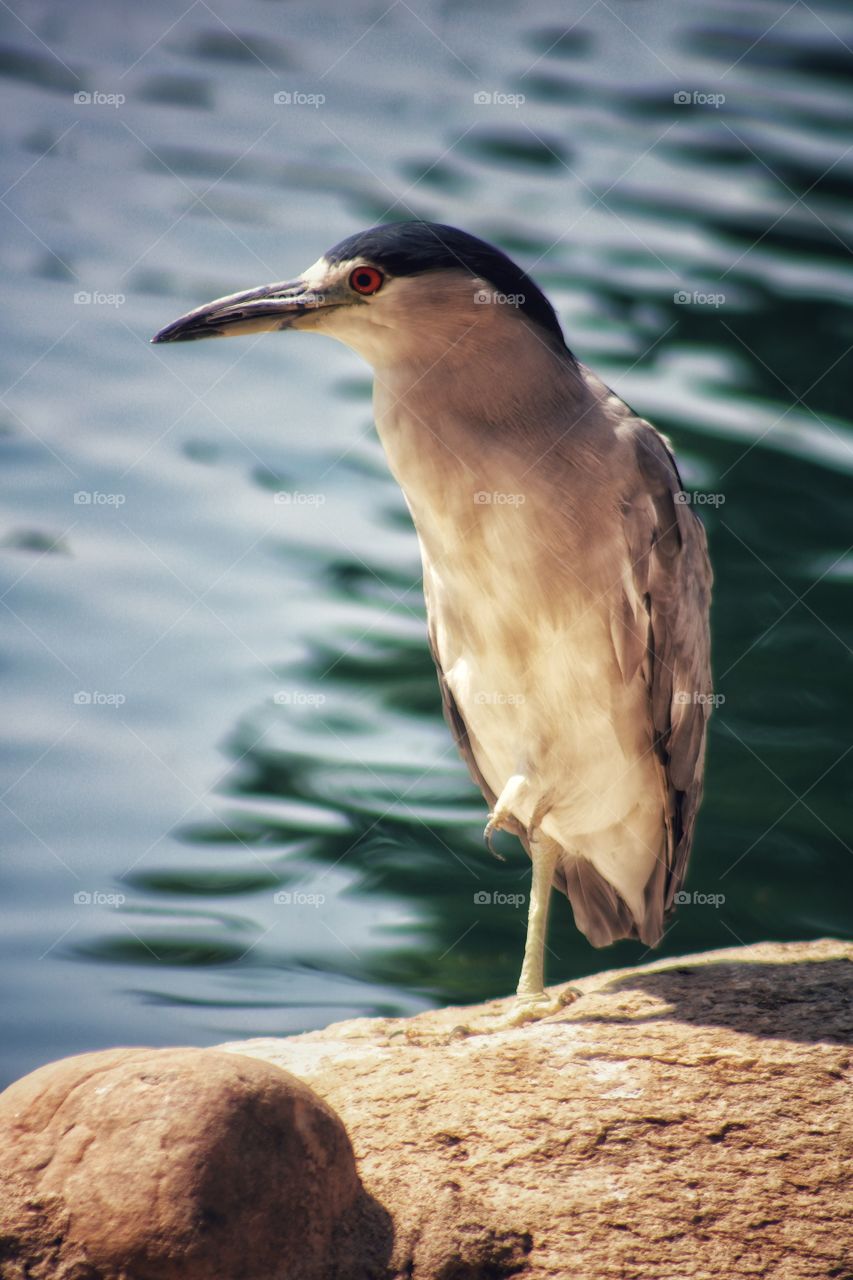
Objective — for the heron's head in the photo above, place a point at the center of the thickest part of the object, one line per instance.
(403, 292)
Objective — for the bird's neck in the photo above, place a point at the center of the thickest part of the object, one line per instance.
(476, 417)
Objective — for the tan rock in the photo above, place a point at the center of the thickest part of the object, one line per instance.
(691, 1118)
(176, 1164)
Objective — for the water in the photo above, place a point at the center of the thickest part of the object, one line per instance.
(213, 698)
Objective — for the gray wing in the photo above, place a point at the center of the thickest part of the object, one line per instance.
(659, 628)
(672, 575)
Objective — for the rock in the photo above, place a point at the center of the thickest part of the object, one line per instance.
(178, 1164)
(688, 1118)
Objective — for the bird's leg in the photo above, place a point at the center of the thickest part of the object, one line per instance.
(531, 1000)
(543, 855)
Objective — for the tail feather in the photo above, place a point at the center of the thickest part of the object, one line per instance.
(600, 911)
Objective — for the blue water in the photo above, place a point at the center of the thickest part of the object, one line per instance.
(212, 698)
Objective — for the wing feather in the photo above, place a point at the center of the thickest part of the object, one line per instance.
(659, 627)
(672, 573)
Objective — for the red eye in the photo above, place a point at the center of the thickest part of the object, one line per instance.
(366, 280)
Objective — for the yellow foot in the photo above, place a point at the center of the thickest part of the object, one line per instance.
(534, 1007)
(524, 1009)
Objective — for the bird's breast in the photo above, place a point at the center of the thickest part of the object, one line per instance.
(525, 645)
(525, 565)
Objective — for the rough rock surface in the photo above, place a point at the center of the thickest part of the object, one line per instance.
(691, 1118)
(177, 1164)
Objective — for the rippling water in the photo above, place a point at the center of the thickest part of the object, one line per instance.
(230, 804)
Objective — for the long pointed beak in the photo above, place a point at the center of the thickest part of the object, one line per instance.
(272, 306)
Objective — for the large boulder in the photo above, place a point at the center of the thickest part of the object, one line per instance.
(176, 1164)
(690, 1117)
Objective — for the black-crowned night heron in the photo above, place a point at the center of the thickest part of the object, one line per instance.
(566, 579)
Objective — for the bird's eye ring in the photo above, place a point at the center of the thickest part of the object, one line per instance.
(366, 280)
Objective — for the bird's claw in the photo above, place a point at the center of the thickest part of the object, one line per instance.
(489, 830)
(524, 1009)
(532, 1008)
